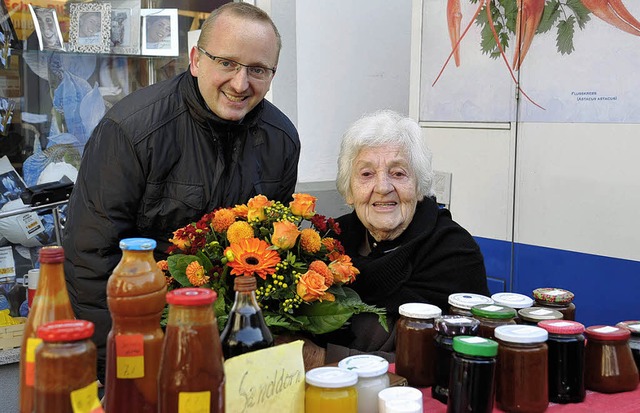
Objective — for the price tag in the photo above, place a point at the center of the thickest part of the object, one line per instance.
(130, 356)
(194, 402)
(85, 400)
(30, 367)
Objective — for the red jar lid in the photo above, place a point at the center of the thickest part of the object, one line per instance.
(191, 296)
(562, 326)
(553, 295)
(633, 326)
(66, 330)
(602, 332)
(51, 255)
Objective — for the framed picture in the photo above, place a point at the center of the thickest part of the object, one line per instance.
(90, 27)
(160, 32)
(45, 23)
(125, 26)
(7, 30)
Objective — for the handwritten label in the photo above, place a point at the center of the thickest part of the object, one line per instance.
(194, 402)
(85, 400)
(256, 386)
(30, 367)
(130, 356)
(492, 308)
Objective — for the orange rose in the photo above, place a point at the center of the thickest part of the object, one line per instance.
(256, 206)
(343, 270)
(285, 234)
(303, 205)
(241, 211)
(311, 287)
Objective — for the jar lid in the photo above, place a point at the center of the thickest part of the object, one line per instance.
(400, 393)
(403, 406)
(633, 326)
(51, 255)
(456, 325)
(468, 300)
(419, 310)
(137, 244)
(535, 314)
(475, 346)
(603, 332)
(365, 365)
(493, 311)
(513, 300)
(191, 296)
(521, 334)
(553, 295)
(331, 377)
(562, 326)
(66, 330)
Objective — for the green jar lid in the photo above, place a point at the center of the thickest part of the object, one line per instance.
(475, 346)
(493, 311)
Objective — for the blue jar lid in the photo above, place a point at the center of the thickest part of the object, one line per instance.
(137, 244)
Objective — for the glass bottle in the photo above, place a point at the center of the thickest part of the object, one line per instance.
(492, 316)
(330, 389)
(136, 298)
(50, 303)
(634, 340)
(246, 329)
(191, 366)
(609, 366)
(372, 378)
(556, 299)
(461, 303)
(66, 343)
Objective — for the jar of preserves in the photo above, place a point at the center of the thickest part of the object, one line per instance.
(372, 378)
(330, 389)
(399, 397)
(634, 339)
(492, 316)
(136, 298)
(473, 367)
(513, 300)
(566, 360)
(533, 315)
(191, 365)
(65, 343)
(415, 345)
(461, 303)
(609, 366)
(556, 299)
(447, 327)
(522, 373)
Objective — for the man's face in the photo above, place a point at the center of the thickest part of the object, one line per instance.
(232, 95)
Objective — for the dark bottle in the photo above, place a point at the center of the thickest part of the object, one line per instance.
(246, 329)
(634, 340)
(473, 367)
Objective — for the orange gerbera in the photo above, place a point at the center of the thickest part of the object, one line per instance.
(163, 265)
(252, 256)
(222, 219)
(238, 231)
(195, 274)
(322, 269)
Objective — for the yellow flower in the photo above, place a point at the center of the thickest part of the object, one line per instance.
(238, 231)
(222, 219)
(256, 206)
(322, 269)
(311, 287)
(195, 274)
(252, 256)
(285, 234)
(310, 240)
(303, 205)
(241, 211)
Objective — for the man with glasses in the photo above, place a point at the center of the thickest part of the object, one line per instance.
(169, 153)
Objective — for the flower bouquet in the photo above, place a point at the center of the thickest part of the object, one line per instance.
(301, 272)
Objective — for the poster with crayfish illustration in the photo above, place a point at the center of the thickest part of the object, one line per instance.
(530, 60)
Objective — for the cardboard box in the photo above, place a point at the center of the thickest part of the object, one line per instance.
(11, 336)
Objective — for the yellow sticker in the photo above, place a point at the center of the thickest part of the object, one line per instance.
(32, 344)
(130, 367)
(194, 402)
(130, 356)
(85, 400)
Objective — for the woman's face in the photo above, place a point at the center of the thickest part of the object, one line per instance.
(383, 191)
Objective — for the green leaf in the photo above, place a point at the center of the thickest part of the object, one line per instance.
(580, 12)
(204, 261)
(549, 16)
(178, 265)
(564, 39)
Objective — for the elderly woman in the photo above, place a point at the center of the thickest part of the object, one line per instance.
(406, 248)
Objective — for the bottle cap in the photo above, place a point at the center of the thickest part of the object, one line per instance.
(244, 283)
(51, 255)
(468, 300)
(633, 326)
(553, 295)
(513, 300)
(65, 330)
(521, 334)
(365, 365)
(398, 393)
(137, 244)
(602, 332)
(457, 325)
(191, 296)
(493, 311)
(475, 346)
(331, 377)
(562, 326)
(536, 314)
(419, 310)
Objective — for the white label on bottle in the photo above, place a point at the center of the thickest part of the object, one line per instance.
(540, 312)
(554, 292)
(473, 340)
(492, 308)
(605, 329)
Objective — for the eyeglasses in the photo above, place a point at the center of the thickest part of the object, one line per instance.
(228, 66)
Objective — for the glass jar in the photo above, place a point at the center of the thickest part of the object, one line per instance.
(609, 366)
(191, 363)
(136, 298)
(399, 397)
(556, 299)
(634, 339)
(461, 303)
(415, 345)
(522, 373)
(473, 367)
(513, 300)
(447, 327)
(372, 378)
(533, 315)
(330, 389)
(492, 316)
(566, 360)
(65, 344)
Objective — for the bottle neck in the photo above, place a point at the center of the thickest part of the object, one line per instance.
(52, 283)
(245, 299)
(190, 315)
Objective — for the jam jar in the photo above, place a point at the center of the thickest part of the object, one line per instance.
(372, 378)
(331, 389)
(400, 399)
(492, 316)
(448, 327)
(513, 300)
(566, 360)
(461, 303)
(533, 315)
(634, 340)
(609, 366)
(415, 344)
(556, 299)
(473, 369)
(522, 371)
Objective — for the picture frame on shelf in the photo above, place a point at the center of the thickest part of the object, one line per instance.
(160, 32)
(47, 27)
(125, 27)
(90, 27)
